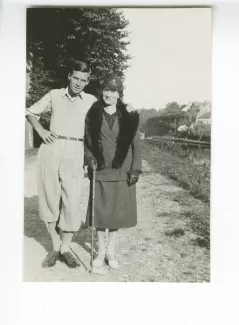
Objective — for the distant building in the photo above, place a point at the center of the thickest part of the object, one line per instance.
(192, 106)
(195, 110)
(204, 108)
(204, 115)
(204, 118)
(186, 108)
(192, 110)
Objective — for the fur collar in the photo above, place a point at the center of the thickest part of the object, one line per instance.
(128, 125)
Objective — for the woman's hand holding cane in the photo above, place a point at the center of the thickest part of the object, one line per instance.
(91, 168)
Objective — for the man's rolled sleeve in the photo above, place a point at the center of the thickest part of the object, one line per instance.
(42, 106)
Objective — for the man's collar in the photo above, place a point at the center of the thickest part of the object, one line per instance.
(66, 93)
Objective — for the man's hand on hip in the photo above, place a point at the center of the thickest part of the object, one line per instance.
(130, 108)
(47, 136)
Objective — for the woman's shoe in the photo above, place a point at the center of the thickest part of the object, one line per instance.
(99, 260)
(112, 262)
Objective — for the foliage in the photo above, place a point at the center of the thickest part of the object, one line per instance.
(168, 125)
(194, 178)
(160, 125)
(170, 162)
(171, 112)
(172, 108)
(41, 81)
(166, 120)
(144, 115)
(171, 117)
(177, 232)
(97, 36)
(172, 147)
(200, 224)
(201, 130)
(197, 131)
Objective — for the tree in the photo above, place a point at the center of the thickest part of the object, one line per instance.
(144, 115)
(156, 126)
(172, 107)
(97, 36)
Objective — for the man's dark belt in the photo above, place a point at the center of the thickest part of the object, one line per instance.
(69, 138)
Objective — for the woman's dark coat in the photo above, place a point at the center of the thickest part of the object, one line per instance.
(117, 151)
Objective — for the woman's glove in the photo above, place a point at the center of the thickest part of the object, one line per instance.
(133, 177)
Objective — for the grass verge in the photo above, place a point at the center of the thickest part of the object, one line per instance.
(195, 179)
(192, 177)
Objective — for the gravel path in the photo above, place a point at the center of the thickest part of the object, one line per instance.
(146, 252)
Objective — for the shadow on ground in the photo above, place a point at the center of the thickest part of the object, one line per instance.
(36, 228)
(33, 226)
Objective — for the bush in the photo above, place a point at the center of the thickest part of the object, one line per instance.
(200, 131)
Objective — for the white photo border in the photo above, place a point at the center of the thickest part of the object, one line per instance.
(61, 303)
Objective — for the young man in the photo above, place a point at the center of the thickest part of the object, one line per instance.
(60, 160)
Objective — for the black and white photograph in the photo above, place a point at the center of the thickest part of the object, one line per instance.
(117, 145)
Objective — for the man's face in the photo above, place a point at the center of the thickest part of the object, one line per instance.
(77, 81)
(110, 96)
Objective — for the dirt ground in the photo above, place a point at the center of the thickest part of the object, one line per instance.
(146, 253)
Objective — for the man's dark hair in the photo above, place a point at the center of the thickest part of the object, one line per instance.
(79, 66)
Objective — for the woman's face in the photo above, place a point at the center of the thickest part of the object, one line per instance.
(110, 96)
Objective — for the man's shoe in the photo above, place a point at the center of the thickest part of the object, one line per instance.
(51, 259)
(69, 260)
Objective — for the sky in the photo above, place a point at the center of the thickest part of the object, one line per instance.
(171, 51)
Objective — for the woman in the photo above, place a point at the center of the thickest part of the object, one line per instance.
(112, 141)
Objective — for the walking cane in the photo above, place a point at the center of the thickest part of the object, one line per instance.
(92, 216)
(96, 270)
